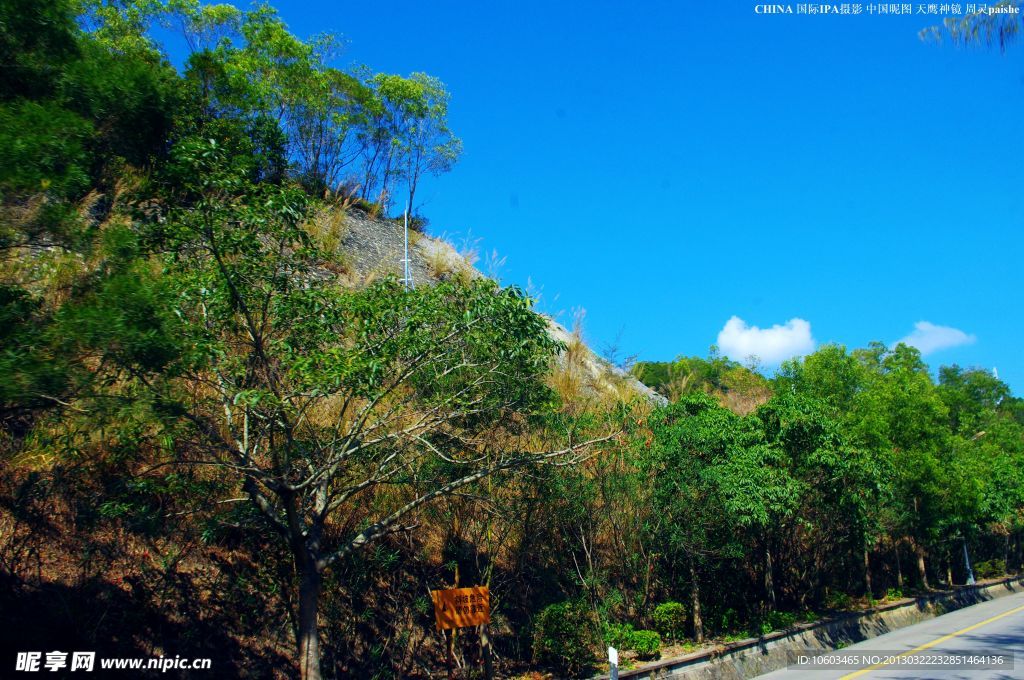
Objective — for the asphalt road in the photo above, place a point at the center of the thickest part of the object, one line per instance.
(991, 628)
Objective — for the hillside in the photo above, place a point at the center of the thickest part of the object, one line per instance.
(368, 248)
(229, 434)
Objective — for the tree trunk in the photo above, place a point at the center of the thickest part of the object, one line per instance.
(485, 651)
(698, 624)
(899, 567)
(412, 195)
(867, 576)
(922, 572)
(307, 633)
(769, 580)
(949, 572)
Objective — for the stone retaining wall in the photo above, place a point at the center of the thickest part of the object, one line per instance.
(756, 656)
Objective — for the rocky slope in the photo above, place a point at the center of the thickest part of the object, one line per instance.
(367, 248)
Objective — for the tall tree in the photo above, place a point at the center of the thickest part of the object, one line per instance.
(687, 465)
(342, 413)
(417, 109)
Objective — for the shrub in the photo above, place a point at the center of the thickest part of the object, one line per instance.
(727, 620)
(990, 569)
(564, 637)
(838, 601)
(773, 620)
(670, 620)
(646, 644)
(618, 635)
(622, 636)
(894, 594)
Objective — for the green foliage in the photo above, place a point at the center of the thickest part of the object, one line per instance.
(688, 462)
(564, 637)
(163, 306)
(728, 620)
(776, 620)
(688, 375)
(990, 568)
(618, 635)
(43, 147)
(646, 644)
(838, 600)
(36, 40)
(623, 637)
(669, 620)
(972, 397)
(417, 111)
(71, 110)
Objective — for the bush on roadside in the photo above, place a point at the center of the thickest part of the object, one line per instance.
(838, 600)
(564, 637)
(772, 621)
(623, 637)
(618, 635)
(670, 620)
(646, 644)
(990, 568)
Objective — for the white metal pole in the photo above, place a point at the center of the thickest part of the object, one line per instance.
(407, 278)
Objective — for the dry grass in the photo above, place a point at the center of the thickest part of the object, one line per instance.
(494, 263)
(444, 262)
(745, 391)
(469, 249)
(378, 206)
(327, 227)
(440, 263)
(569, 375)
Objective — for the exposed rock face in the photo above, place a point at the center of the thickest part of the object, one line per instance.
(370, 248)
(376, 248)
(602, 375)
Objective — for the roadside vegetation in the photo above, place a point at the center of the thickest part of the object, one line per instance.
(212, 444)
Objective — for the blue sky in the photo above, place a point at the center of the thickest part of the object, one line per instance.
(668, 166)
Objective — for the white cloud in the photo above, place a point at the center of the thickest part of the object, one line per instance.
(929, 337)
(739, 342)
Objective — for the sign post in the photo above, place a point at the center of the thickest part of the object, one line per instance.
(462, 608)
(449, 659)
(613, 663)
(485, 651)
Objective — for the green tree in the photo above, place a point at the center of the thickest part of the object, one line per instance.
(341, 412)
(417, 114)
(687, 463)
(900, 415)
(972, 397)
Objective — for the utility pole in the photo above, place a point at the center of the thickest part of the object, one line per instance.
(407, 272)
